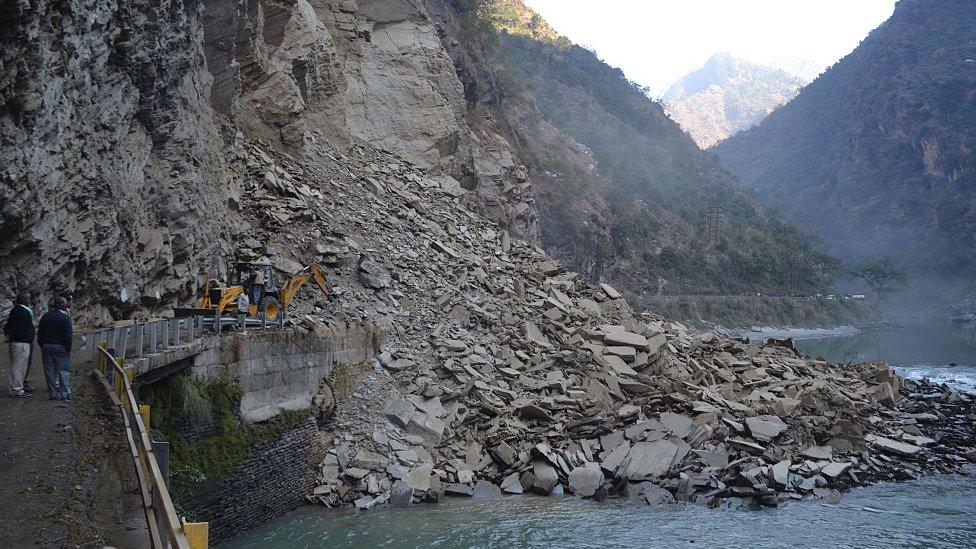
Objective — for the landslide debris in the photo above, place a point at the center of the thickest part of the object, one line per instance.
(504, 373)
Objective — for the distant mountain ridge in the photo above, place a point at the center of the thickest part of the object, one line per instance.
(878, 155)
(623, 194)
(727, 95)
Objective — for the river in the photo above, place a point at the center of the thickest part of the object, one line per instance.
(935, 511)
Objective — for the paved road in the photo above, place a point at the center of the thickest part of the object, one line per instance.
(65, 475)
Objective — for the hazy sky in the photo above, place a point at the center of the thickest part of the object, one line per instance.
(656, 42)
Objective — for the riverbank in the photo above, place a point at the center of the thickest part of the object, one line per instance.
(744, 312)
(934, 511)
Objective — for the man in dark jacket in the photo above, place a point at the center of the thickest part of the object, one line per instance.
(19, 334)
(54, 336)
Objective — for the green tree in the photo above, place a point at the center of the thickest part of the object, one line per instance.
(882, 275)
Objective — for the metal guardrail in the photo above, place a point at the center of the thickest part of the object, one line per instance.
(154, 336)
(150, 337)
(166, 528)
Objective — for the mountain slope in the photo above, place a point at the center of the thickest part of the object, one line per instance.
(624, 195)
(726, 96)
(876, 155)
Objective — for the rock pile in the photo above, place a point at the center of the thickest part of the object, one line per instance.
(504, 373)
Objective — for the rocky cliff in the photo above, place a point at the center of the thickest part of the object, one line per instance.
(727, 95)
(876, 155)
(115, 182)
(122, 125)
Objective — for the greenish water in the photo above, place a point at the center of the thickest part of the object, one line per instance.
(932, 512)
(935, 511)
(942, 351)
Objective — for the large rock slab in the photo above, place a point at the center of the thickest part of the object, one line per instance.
(512, 484)
(890, 446)
(648, 460)
(628, 339)
(486, 490)
(765, 428)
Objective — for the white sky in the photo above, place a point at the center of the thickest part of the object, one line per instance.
(656, 42)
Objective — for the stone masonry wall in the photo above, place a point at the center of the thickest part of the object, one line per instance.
(272, 481)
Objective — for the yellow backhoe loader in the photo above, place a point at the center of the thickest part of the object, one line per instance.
(258, 279)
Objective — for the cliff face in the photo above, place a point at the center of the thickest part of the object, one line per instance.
(726, 96)
(372, 71)
(113, 179)
(122, 123)
(876, 155)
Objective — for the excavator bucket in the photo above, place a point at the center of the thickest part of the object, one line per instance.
(319, 277)
(291, 287)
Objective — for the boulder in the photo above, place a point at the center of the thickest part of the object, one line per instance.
(780, 472)
(585, 479)
(419, 478)
(401, 494)
(486, 490)
(512, 485)
(653, 494)
(460, 490)
(628, 339)
(893, 446)
(545, 475)
(369, 460)
(374, 275)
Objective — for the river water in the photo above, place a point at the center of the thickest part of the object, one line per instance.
(938, 511)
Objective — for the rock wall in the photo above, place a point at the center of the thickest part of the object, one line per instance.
(373, 71)
(113, 181)
(120, 126)
(268, 484)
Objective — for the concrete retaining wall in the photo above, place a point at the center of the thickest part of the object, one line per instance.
(278, 371)
(283, 370)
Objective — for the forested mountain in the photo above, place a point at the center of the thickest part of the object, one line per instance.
(726, 96)
(877, 154)
(623, 193)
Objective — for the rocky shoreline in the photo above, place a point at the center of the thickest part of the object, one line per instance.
(504, 373)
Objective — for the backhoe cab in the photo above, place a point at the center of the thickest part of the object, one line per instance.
(268, 297)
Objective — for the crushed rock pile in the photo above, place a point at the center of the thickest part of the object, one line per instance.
(504, 373)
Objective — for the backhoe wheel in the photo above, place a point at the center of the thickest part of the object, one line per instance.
(270, 307)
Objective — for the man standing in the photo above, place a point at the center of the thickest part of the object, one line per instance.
(54, 336)
(242, 305)
(19, 333)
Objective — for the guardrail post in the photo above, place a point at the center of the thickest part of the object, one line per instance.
(164, 336)
(197, 534)
(176, 336)
(117, 385)
(120, 352)
(115, 338)
(153, 328)
(140, 338)
(190, 328)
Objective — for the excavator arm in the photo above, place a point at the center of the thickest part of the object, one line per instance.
(291, 287)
